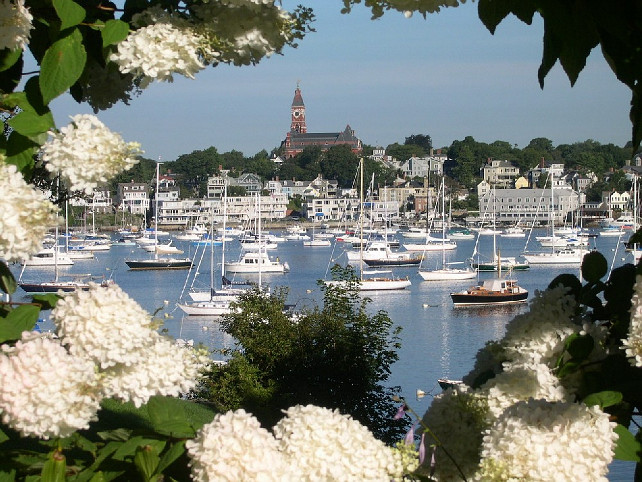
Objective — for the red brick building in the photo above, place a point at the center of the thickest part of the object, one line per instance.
(299, 138)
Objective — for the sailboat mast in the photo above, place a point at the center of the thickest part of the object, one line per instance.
(361, 220)
(156, 210)
(261, 250)
(443, 223)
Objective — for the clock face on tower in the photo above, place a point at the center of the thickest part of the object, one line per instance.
(298, 113)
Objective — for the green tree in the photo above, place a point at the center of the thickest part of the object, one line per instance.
(403, 152)
(195, 168)
(338, 356)
(422, 140)
(340, 163)
(466, 170)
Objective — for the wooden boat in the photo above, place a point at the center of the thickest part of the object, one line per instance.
(497, 291)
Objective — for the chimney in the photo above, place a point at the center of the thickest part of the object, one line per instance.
(541, 163)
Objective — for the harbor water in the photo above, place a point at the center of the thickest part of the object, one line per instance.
(438, 340)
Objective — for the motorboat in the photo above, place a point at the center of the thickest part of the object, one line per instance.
(496, 291)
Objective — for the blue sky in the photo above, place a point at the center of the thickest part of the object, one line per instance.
(445, 76)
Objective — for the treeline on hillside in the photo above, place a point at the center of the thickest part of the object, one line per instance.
(340, 163)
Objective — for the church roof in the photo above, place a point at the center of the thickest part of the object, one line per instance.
(298, 99)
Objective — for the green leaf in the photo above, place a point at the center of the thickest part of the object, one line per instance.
(20, 152)
(579, 346)
(3, 437)
(169, 457)
(594, 266)
(29, 124)
(69, 12)
(7, 281)
(62, 65)
(54, 468)
(47, 301)
(627, 448)
(603, 399)
(129, 448)
(22, 318)
(570, 281)
(491, 12)
(115, 31)
(168, 417)
(11, 72)
(8, 58)
(8, 476)
(146, 461)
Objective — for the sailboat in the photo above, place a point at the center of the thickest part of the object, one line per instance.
(158, 262)
(565, 255)
(214, 304)
(371, 280)
(75, 281)
(257, 261)
(445, 272)
(497, 262)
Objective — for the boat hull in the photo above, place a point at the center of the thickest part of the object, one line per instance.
(159, 264)
(467, 299)
(446, 274)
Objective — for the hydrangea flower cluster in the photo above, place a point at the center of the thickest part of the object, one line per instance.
(533, 440)
(325, 445)
(26, 215)
(106, 326)
(87, 153)
(309, 443)
(235, 447)
(633, 342)
(106, 347)
(159, 50)
(103, 325)
(15, 24)
(242, 32)
(476, 425)
(44, 390)
(538, 335)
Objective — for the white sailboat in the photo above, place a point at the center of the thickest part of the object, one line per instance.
(213, 304)
(371, 280)
(445, 272)
(565, 255)
(497, 262)
(158, 262)
(257, 261)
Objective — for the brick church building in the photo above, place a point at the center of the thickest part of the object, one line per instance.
(299, 138)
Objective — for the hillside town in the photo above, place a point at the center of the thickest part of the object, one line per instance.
(509, 194)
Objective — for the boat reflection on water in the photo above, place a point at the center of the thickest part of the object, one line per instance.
(484, 311)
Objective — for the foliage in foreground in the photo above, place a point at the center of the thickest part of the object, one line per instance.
(337, 356)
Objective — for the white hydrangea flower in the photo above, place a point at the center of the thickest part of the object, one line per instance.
(26, 215)
(325, 445)
(44, 390)
(103, 324)
(158, 51)
(633, 342)
(539, 335)
(242, 32)
(235, 447)
(87, 153)
(519, 382)
(15, 24)
(539, 440)
(164, 368)
(457, 417)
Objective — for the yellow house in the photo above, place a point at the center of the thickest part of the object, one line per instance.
(521, 183)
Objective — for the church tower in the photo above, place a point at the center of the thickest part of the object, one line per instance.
(298, 113)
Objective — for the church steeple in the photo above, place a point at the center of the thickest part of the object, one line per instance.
(298, 113)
